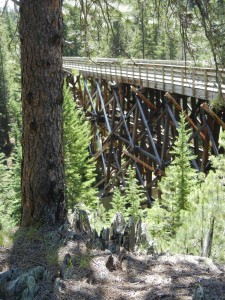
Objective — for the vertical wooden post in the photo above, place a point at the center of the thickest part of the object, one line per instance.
(165, 143)
(196, 138)
(121, 99)
(205, 155)
(105, 94)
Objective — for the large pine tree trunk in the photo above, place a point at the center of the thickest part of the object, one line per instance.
(41, 60)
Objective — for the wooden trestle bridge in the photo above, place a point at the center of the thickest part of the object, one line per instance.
(134, 110)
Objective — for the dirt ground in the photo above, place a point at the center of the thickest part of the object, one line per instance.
(91, 274)
(144, 277)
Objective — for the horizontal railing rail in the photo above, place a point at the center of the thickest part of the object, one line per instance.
(169, 76)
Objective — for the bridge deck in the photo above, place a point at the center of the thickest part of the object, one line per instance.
(200, 83)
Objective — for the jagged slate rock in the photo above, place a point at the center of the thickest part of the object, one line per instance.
(112, 247)
(122, 255)
(104, 238)
(152, 248)
(95, 234)
(16, 287)
(94, 242)
(118, 224)
(39, 273)
(117, 229)
(110, 264)
(107, 251)
(81, 222)
(142, 238)
(116, 240)
(104, 234)
(66, 270)
(142, 235)
(30, 291)
(7, 276)
(138, 237)
(132, 234)
(64, 227)
(199, 293)
(24, 286)
(129, 235)
(71, 235)
(59, 284)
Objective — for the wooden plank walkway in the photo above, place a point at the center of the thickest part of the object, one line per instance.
(169, 76)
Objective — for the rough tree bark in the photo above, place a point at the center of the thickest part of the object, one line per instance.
(40, 31)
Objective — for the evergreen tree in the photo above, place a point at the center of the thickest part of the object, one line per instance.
(184, 172)
(4, 116)
(134, 194)
(159, 226)
(180, 177)
(176, 29)
(177, 185)
(13, 77)
(4, 186)
(117, 41)
(79, 167)
(10, 188)
(128, 204)
(10, 121)
(14, 207)
(208, 204)
(72, 30)
(118, 203)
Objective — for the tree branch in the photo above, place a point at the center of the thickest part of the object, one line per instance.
(16, 2)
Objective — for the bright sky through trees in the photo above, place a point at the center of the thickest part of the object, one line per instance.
(10, 3)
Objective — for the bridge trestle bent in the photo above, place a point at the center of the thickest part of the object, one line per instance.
(137, 126)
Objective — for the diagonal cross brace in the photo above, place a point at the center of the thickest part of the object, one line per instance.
(148, 131)
(124, 120)
(103, 108)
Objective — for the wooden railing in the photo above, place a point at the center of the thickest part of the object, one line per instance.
(169, 76)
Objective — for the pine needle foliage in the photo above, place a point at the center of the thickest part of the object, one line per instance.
(128, 204)
(10, 122)
(180, 177)
(10, 188)
(159, 223)
(5, 189)
(79, 167)
(118, 204)
(167, 214)
(208, 203)
(14, 208)
(134, 194)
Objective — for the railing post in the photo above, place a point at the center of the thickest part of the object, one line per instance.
(163, 78)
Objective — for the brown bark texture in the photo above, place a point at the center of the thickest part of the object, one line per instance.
(40, 31)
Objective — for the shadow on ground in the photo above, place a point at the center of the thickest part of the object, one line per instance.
(55, 263)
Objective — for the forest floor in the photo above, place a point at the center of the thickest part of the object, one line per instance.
(79, 273)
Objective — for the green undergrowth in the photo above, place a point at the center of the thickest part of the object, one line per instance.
(83, 260)
(127, 202)
(197, 227)
(189, 216)
(7, 236)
